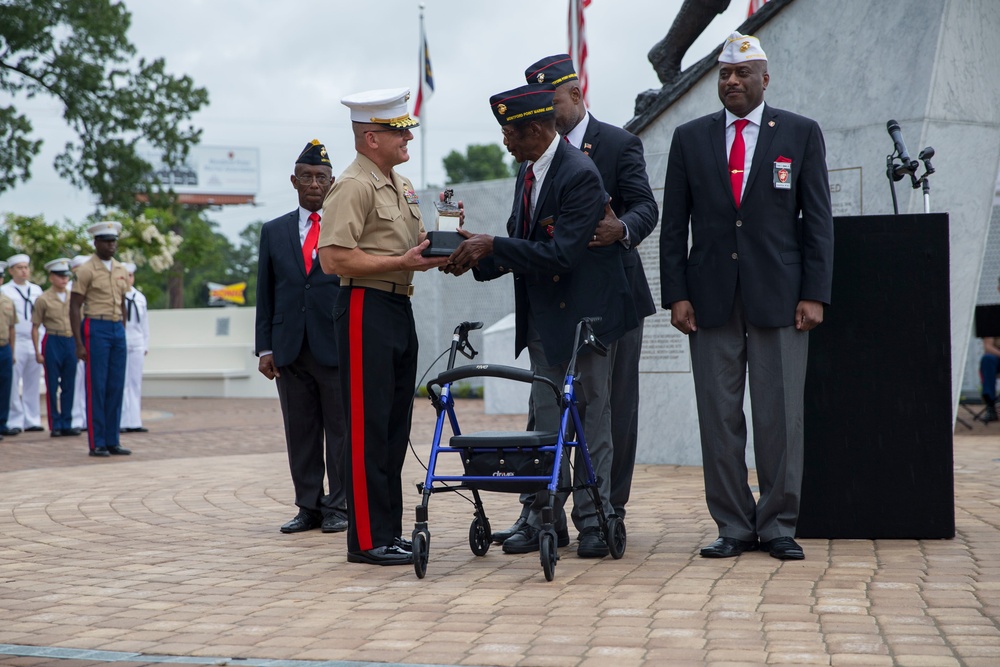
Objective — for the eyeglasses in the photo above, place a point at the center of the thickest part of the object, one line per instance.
(321, 180)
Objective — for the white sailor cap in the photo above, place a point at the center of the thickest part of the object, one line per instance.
(382, 107)
(3, 267)
(129, 266)
(78, 260)
(58, 266)
(741, 48)
(105, 229)
(19, 258)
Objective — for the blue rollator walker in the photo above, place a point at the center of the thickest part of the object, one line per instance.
(510, 461)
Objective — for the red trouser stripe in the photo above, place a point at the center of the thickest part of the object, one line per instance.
(362, 520)
(49, 392)
(90, 392)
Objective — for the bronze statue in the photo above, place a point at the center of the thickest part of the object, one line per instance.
(693, 17)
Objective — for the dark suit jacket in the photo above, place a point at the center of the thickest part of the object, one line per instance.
(777, 257)
(555, 275)
(618, 156)
(290, 304)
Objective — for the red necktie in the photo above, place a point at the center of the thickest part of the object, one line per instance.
(529, 180)
(737, 159)
(312, 236)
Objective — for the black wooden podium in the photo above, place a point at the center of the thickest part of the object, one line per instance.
(878, 403)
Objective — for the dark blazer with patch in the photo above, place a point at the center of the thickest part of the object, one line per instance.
(619, 157)
(290, 304)
(778, 246)
(556, 276)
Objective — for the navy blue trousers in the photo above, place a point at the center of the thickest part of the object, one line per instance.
(106, 355)
(60, 379)
(6, 377)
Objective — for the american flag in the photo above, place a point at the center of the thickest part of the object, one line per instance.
(578, 42)
(754, 6)
(426, 87)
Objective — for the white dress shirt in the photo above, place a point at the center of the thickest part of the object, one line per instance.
(541, 168)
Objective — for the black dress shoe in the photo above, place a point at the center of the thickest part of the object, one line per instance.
(727, 547)
(71, 431)
(783, 548)
(525, 540)
(392, 555)
(33, 429)
(9, 431)
(592, 544)
(139, 429)
(402, 543)
(302, 522)
(55, 433)
(502, 536)
(99, 451)
(334, 524)
(118, 450)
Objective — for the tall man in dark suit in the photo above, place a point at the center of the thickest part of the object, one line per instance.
(558, 279)
(752, 183)
(297, 347)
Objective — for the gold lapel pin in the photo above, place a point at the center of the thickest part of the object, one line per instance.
(770, 123)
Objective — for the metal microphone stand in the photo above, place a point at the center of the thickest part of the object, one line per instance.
(925, 156)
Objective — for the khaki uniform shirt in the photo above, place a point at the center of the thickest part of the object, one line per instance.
(102, 290)
(53, 313)
(381, 216)
(8, 318)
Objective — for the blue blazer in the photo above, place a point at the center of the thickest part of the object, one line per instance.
(618, 155)
(290, 304)
(556, 276)
(778, 246)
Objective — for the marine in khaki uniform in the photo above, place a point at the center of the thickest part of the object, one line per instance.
(56, 349)
(372, 237)
(100, 288)
(8, 318)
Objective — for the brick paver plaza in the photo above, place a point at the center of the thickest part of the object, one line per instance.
(175, 551)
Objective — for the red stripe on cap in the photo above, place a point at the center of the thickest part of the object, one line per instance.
(554, 62)
(362, 519)
(514, 97)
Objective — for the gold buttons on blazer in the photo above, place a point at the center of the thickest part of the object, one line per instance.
(739, 223)
(735, 256)
(555, 278)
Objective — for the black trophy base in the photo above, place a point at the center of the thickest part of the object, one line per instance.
(442, 243)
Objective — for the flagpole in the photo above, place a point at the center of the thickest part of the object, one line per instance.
(423, 114)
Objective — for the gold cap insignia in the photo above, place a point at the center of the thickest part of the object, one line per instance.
(744, 47)
(407, 98)
(322, 151)
(770, 123)
(501, 109)
(541, 77)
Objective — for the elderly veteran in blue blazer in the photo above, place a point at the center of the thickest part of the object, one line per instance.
(559, 278)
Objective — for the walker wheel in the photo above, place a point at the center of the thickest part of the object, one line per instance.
(547, 549)
(421, 554)
(480, 535)
(616, 536)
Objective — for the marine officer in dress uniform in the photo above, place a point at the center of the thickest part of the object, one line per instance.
(80, 393)
(8, 318)
(56, 351)
(137, 342)
(372, 238)
(25, 397)
(100, 288)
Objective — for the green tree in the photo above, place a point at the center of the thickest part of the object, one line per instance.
(77, 51)
(481, 162)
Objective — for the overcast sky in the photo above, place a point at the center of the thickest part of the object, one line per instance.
(275, 74)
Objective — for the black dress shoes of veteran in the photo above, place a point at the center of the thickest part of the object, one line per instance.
(303, 521)
(783, 548)
(390, 555)
(501, 536)
(525, 540)
(727, 547)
